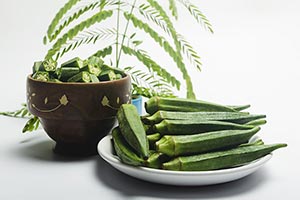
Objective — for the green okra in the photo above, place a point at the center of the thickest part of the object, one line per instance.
(156, 159)
(123, 149)
(65, 73)
(240, 108)
(75, 62)
(108, 75)
(234, 117)
(152, 139)
(94, 78)
(37, 66)
(221, 159)
(80, 77)
(177, 145)
(41, 76)
(187, 127)
(257, 122)
(132, 129)
(256, 142)
(156, 103)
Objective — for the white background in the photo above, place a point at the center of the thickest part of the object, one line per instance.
(253, 57)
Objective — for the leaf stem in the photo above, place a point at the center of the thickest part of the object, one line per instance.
(125, 31)
(117, 39)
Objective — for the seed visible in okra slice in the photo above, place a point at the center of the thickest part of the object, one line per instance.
(95, 61)
(96, 70)
(50, 65)
(41, 76)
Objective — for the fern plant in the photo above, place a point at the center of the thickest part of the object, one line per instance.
(81, 22)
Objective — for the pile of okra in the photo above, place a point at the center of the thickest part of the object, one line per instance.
(92, 70)
(188, 135)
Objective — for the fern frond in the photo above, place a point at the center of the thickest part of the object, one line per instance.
(147, 84)
(78, 28)
(154, 4)
(152, 65)
(59, 16)
(91, 36)
(103, 52)
(71, 18)
(197, 14)
(189, 51)
(168, 48)
(173, 8)
(153, 15)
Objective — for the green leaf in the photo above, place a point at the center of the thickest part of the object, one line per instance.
(197, 14)
(74, 16)
(168, 48)
(189, 51)
(31, 125)
(97, 18)
(103, 52)
(173, 8)
(86, 38)
(21, 113)
(59, 16)
(152, 65)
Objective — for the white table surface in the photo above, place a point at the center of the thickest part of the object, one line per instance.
(253, 57)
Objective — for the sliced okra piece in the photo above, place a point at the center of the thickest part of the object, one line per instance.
(80, 77)
(41, 76)
(94, 78)
(75, 62)
(67, 72)
(107, 75)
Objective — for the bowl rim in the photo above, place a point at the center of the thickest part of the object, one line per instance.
(29, 77)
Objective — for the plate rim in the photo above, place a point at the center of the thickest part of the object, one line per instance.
(109, 157)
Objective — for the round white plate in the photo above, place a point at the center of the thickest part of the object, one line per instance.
(105, 150)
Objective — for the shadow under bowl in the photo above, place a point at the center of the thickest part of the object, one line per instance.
(77, 115)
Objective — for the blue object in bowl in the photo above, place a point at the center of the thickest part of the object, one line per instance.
(137, 102)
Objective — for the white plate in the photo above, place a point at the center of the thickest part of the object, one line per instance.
(105, 150)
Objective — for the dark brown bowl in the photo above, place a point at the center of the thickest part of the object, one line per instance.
(77, 115)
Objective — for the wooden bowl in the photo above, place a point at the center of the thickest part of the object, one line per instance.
(77, 115)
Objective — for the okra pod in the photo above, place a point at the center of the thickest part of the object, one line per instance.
(156, 103)
(123, 149)
(132, 129)
(221, 159)
(152, 139)
(187, 127)
(75, 62)
(177, 145)
(240, 108)
(66, 73)
(80, 77)
(234, 117)
(156, 160)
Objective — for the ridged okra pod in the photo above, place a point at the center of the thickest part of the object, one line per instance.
(177, 145)
(123, 149)
(156, 159)
(240, 108)
(221, 159)
(132, 129)
(187, 127)
(234, 117)
(152, 139)
(156, 103)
